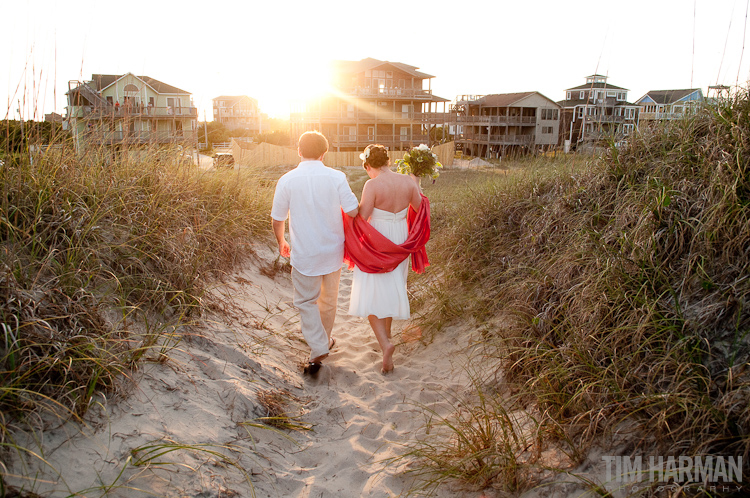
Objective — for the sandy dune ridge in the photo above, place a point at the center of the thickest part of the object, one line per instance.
(203, 402)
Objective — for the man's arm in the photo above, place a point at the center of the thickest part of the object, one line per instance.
(278, 231)
(347, 198)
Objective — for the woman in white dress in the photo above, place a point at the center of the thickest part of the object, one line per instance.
(381, 297)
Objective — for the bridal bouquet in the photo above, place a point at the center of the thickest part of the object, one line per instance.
(420, 161)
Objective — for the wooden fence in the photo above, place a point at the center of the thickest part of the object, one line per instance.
(265, 155)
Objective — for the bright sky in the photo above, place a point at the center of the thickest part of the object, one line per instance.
(276, 51)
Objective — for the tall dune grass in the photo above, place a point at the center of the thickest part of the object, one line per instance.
(616, 296)
(97, 243)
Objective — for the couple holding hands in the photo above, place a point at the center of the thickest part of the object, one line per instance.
(375, 237)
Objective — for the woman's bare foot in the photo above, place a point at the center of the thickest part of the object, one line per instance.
(388, 359)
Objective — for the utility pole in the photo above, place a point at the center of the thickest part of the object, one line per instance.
(205, 128)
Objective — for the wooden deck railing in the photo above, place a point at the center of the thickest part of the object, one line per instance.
(381, 115)
(387, 140)
(112, 111)
(496, 139)
(495, 120)
(416, 93)
(113, 137)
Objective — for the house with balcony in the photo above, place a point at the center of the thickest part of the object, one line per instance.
(596, 111)
(493, 126)
(129, 110)
(658, 106)
(373, 101)
(238, 112)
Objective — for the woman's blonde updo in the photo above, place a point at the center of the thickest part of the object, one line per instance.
(376, 156)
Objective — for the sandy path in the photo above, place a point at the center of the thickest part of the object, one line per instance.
(205, 400)
(359, 416)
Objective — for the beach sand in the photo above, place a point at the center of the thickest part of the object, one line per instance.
(196, 417)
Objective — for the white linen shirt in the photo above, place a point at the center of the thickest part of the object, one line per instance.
(312, 196)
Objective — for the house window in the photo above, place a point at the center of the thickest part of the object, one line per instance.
(580, 112)
(567, 96)
(629, 113)
(109, 100)
(370, 133)
(547, 130)
(350, 134)
(549, 114)
(582, 95)
(611, 93)
(404, 133)
(621, 96)
(628, 129)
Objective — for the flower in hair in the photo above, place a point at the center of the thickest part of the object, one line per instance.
(364, 155)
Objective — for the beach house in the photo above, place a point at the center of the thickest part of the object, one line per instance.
(666, 105)
(129, 110)
(237, 112)
(596, 111)
(500, 124)
(372, 101)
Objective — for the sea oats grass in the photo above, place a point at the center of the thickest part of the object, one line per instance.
(105, 254)
(616, 291)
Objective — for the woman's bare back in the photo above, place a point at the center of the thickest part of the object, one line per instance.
(392, 192)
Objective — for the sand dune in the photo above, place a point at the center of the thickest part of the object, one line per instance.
(203, 402)
(192, 424)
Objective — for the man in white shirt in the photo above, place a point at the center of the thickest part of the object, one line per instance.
(312, 195)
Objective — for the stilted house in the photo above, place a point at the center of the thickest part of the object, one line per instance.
(493, 126)
(666, 105)
(596, 111)
(129, 110)
(237, 112)
(373, 101)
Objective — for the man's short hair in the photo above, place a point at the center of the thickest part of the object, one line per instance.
(312, 145)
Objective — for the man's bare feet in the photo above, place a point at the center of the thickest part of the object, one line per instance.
(388, 359)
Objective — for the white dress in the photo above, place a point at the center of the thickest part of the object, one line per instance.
(383, 294)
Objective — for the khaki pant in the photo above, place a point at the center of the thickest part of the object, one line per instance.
(316, 299)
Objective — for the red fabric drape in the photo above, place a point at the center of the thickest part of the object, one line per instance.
(372, 252)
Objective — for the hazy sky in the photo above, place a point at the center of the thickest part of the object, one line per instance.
(275, 50)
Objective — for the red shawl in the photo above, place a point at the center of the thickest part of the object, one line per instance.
(372, 252)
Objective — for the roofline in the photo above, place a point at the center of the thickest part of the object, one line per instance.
(133, 75)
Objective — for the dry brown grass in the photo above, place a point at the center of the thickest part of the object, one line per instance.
(623, 288)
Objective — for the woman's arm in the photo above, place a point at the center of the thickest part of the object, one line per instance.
(416, 198)
(367, 204)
